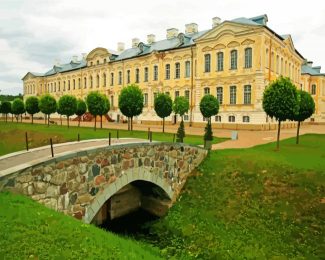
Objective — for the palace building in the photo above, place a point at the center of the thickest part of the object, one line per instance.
(234, 61)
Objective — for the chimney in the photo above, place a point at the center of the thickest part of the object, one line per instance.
(191, 28)
(310, 64)
(135, 42)
(75, 59)
(120, 46)
(151, 38)
(215, 21)
(171, 33)
(84, 56)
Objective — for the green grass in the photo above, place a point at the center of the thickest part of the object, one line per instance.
(12, 135)
(250, 204)
(28, 230)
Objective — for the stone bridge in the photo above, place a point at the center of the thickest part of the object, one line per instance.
(108, 182)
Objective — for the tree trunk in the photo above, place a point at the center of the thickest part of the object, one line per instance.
(32, 119)
(48, 120)
(278, 137)
(101, 121)
(128, 124)
(6, 118)
(79, 121)
(131, 123)
(95, 123)
(61, 119)
(21, 118)
(45, 119)
(12, 117)
(298, 128)
(68, 121)
(17, 117)
(163, 125)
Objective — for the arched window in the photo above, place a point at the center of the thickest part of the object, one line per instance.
(104, 79)
(248, 57)
(220, 61)
(246, 119)
(220, 95)
(231, 119)
(217, 118)
(167, 71)
(63, 85)
(74, 84)
(79, 83)
(187, 94)
(120, 77)
(155, 72)
(91, 81)
(187, 69)
(282, 69)
(68, 84)
(146, 74)
(85, 82)
(137, 75)
(177, 70)
(233, 59)
(59, 86)
(97, 81)
(128, 78)
(233, 93)
(267, 58)
(247, 94)
(112, 78)
(206, 90)
(207, 63)
(313, 89)
(277, 64)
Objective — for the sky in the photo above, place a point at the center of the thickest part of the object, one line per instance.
(36, 33)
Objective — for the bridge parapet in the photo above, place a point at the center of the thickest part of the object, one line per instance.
(79, 183)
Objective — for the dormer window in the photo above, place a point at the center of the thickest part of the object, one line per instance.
(91, 63)
(97, 62)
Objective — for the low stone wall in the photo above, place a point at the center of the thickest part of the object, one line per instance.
(79, 183)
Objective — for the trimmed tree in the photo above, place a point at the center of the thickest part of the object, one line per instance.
(280, 100)
(81, 109)
(131, 103)
(105, 110)
(163, 105)
(47, 105)
(96, 104)
(306, 109)
(6, 108)
(209, 106)
(32, 106)
(18, 107)
(67, 106)
(180, 107)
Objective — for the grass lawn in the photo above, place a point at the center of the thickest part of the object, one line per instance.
(12, 135)
(251, 204)
(28, 230)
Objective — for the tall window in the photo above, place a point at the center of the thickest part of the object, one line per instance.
(246, 119)
(247, 94)
(232, 95)
(112, 78)
(120, 77)
(146, 73)
(74, 84)
(282, 70)
(104, 79)
(187, 69)
(97, 81)
(85, 82)
(207, 63)
(167, 71)
(248, 57)
(137, 75)
(206, 91)
(79, 83)
(277, 64)
(128, 79)
(220, 95)
(233, 59)
(68, 84)
(187, 94)
(217, 118)
(176, 93)
(59, 85)
(267, 58)
(145, 99)
(91, 81)
(177, 70)
(155, 72)
(313, 89)
(231, 118)
(220, 61)
(63, 85)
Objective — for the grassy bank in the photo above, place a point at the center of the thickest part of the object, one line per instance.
(251, 204)
(28, 230)
(12, 135)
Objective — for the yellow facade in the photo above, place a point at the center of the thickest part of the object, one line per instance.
(253, 55)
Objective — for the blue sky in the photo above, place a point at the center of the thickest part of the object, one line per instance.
(34, 33)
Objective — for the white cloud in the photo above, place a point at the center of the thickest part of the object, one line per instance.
(34, 33)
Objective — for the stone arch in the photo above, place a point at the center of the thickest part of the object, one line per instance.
(138, 174)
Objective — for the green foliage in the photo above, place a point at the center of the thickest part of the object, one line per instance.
(18, 107)
(180, 135)
(47, 104)
(163, 105)
(67, 105)
(181, 106)
(95, 103)
(10, 98)
(29, 230)
(131, 101)
(280, 99)
(306, 106)
(107, 105)
(209, 106)
(81, 107)
(208, 134)
(250, 204)
(5, 107)
(32, 105)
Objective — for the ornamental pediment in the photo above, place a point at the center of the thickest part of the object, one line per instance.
(219, 47)
(233, 44)
(207, 48)
(176, 58)
(247, 42)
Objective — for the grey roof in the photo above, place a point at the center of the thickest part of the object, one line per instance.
(285, 36)
(243, 20)
(314, 71)
(66, 67)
